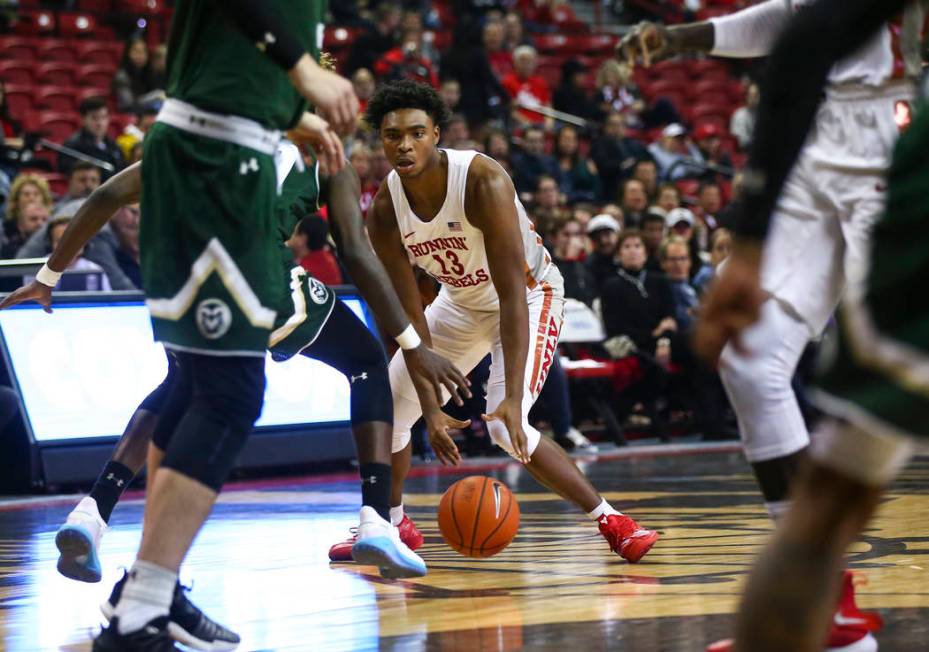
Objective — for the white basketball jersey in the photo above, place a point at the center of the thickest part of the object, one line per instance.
(892, 53)
(451, 250)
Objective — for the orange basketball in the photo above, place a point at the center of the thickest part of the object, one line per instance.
(478, 516)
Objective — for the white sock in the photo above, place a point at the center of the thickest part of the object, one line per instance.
(777, 509)
(396, 515)
(147, 595)
(603, 509)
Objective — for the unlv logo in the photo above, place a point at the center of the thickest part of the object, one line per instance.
(213, 318)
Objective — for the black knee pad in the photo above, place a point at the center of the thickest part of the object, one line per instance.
(175, 391)
(226, 395)
(158, 397)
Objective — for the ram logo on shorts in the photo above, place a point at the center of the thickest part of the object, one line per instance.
(213, 318)
(319, 293)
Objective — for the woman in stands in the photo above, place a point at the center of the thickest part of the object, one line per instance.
(577, 178)
(133, 79)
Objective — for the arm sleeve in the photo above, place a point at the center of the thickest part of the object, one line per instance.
(750, 32)
(258, 20)
(791, 92)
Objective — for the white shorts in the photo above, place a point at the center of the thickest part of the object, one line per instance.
(822, 225)
(465, 336)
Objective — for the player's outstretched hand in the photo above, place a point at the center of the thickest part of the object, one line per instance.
(34, 291)
(331, 94)
(437, 424)
(428, 369)
(732, 304)
(646, 43)
(315, 131)
(510, 412)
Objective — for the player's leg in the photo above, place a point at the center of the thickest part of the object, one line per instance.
(78, 540)
(549, 464)
(347, 345)
(790, 597)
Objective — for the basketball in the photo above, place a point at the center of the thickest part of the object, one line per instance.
(478, 516)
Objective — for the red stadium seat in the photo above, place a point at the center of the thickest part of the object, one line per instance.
(57, 182)
(95, 6)
(339, 37)
(716, 99)
(84, 93)
(719, 120)
(55, 49)
(96, 75)
(36, 22)
(711, 87)
(17, 72)
(55, 73)
(56, 98)
(553, 44)
(704, 67)
(76, 25)
(664, 88)
(145, 7)
(17, 47)
(441, 40)
(688, 187)
(99, 52)
(19, 99)
(57, 126)
(595, 43)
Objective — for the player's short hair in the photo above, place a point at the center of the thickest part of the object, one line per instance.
(406, 94)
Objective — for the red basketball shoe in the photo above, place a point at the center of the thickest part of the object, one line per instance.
(625, 537)
(842, 638)
(409, 535)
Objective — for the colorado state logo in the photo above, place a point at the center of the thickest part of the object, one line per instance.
(319, 293)
(213, 318)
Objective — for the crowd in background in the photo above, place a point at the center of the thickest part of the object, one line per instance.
(632, 201)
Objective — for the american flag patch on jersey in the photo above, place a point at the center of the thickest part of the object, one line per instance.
(455, 226)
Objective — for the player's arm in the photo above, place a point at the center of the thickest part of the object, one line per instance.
(377, 286)
(790, 96)
(121, 189)
(260, 22)
(743, 34)
(490, 206)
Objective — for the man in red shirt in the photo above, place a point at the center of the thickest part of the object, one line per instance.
(501, 59)
(527, 88)
(312, 252)
(407, 61)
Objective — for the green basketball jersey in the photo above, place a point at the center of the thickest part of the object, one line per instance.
(215, 67)
(299, 197)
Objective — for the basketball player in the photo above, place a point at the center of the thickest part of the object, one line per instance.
(824, 218)
(874, 388)
(456, 215)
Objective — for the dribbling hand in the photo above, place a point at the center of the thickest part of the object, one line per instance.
(326, 143)
(332, 95)
(510, 412)
(34, 291)
(430, 371)
(647, 43)
(437, 425)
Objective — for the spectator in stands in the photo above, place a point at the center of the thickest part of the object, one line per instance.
(125, 244)
(134, 134)
(501, 59)
(159, 66)
(710, 203)
(497, 145)
(742, 123)
(455, 131)
(513, 33)
(360, 159)
(647, 172)
(568, 251)
(671, 152)
(720, 247)
(407, 61)
(83, 179)
(532, 162)
(634, 202)
(571, 96)
(548, 206)
(364, 85)
(614, 211)
(370, 47)
(133, 79)
(311, 250)
(728, 215)
(412, 21)
(578, 178)
(615, 155)
(653, 234)
(617, 93)
(483, 98)
(683, 223)
(10, 126)
(669, 197)
(708, 138)
(675, 261)
(450, 90)
(91, 139)
(603, 231)
(16, 231)
(380, 166)
(26, 189)
(527, 89)
(56, 229)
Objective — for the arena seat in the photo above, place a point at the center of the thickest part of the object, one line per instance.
(17, 72)
(55, 49)
(96, 75)
(76, 25)
(17, 47)
(57, 126)
(99, 52)
(55, 73)
(35, 22)
(20, 99)
(62, 99)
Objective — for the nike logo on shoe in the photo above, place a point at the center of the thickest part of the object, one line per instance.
(841, 620)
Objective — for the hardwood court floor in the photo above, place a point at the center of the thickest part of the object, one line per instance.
(260, 566)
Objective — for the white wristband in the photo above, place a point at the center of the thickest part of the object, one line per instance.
(408, 339)
(48, 276)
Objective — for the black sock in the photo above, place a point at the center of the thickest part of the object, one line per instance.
(375, 488)
(775, 476)
(110, 485)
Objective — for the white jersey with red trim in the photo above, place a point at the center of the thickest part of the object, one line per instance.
(451, 249)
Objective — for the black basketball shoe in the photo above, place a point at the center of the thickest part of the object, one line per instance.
(151, 638)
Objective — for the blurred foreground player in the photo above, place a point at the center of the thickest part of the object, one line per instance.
(456, 214)
(874, 388)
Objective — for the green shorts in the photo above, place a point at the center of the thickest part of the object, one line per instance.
(301, 315)
(877, 374)
(209, 250)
